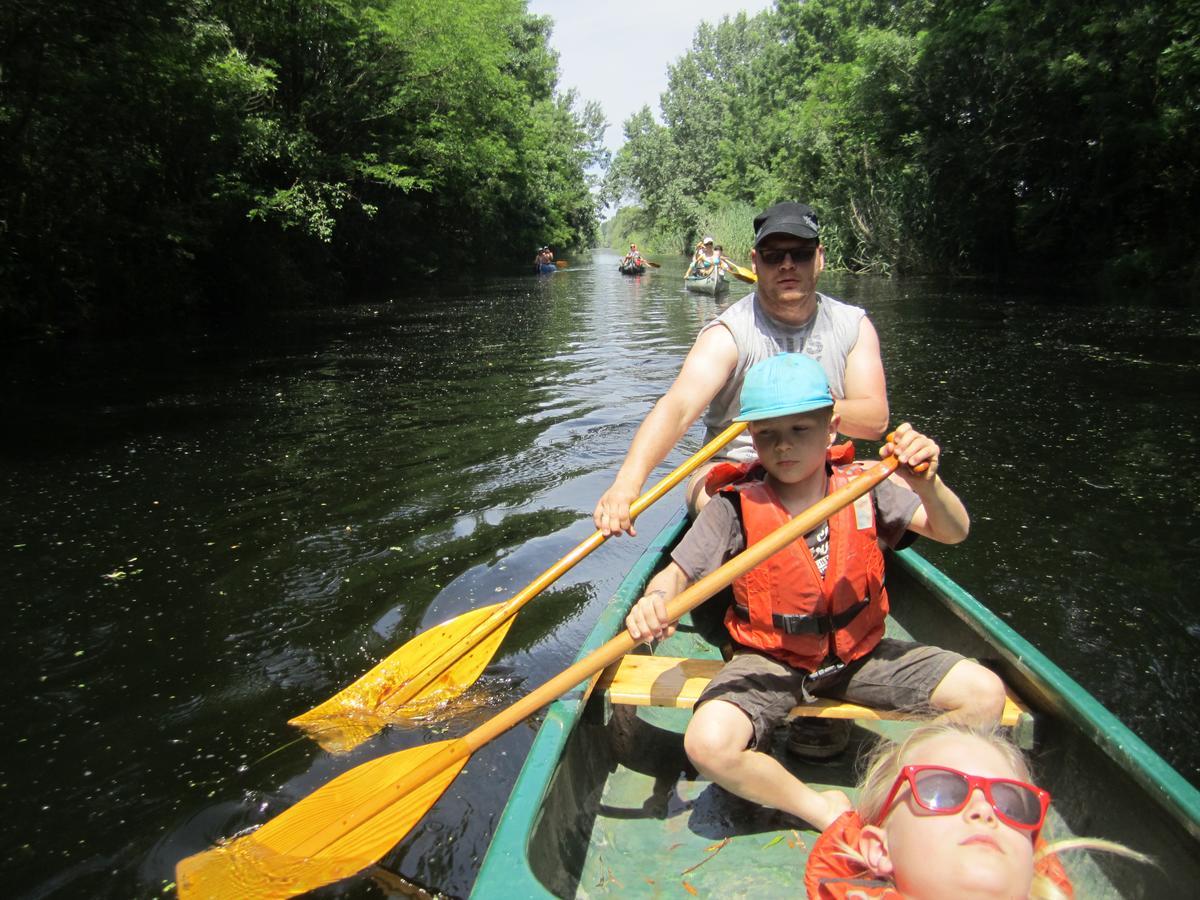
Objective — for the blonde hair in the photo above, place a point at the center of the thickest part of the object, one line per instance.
(882, 767)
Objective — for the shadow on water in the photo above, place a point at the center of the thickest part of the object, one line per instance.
(203, 537)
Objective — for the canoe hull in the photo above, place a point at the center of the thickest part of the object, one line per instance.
(607, 804)
(630, 269)
(712, 284)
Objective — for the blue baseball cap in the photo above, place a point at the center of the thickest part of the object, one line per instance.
(783, 385)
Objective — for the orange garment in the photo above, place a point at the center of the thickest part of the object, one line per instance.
(831, 876)
(841, 614)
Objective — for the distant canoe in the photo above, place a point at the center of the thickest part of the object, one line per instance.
(631, 268)
(712, 283)
(607, 804)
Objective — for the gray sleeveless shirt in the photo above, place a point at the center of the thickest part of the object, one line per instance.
(828, 337)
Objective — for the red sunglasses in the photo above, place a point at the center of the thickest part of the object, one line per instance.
(945, 791)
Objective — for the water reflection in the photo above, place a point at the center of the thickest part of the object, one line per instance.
(291, 502)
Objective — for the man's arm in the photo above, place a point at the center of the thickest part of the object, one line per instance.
(864, 409)
(707, 367)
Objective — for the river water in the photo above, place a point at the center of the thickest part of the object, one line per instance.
(202, 537)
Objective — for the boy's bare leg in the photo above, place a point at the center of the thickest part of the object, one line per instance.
(717, 742)
(970, 693)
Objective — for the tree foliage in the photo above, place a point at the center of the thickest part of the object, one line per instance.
(985, 136)
(165, 152)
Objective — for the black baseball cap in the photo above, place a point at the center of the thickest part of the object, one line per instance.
(796, 219)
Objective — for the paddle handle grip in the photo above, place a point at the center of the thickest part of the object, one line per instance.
(923, 467)
(686, 601)
(640, 505)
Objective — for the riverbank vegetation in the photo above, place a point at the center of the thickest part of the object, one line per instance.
(993, 137)
(165, 154)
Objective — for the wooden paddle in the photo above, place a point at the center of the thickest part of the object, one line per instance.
(746, 275)
(652, 264)
(349, 823)
(444, 661)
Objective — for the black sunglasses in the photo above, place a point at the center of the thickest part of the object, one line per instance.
(775, 257)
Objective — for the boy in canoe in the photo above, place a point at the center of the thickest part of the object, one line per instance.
(809, 622)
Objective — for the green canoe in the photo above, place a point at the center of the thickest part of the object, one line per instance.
(712, 283)
(607, 805)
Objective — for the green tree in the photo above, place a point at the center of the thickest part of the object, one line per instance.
(183, 151)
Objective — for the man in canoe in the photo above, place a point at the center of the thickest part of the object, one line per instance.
(783, 314)
(809, 622)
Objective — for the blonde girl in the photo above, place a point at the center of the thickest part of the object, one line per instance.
(950, 812)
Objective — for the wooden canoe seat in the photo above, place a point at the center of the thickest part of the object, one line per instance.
(675, 682)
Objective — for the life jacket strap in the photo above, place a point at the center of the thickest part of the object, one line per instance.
(794, 623)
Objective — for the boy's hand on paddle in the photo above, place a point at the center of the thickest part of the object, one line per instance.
(917, 454)
(647, 621)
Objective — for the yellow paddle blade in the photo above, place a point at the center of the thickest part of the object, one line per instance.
(743, 274)
(331, 834)
(432, 668)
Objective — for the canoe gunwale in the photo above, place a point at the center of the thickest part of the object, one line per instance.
(507, 860)
(1047, 687)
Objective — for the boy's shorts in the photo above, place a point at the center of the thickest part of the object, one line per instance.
(895, 675)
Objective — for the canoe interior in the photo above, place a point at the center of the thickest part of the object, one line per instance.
(608, 805)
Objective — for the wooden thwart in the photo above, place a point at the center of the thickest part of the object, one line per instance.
(671, 681)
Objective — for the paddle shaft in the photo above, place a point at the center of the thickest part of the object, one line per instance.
(455, 752)
(510, 608)
(685, 601)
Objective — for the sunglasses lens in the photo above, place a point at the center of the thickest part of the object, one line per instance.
(941, 790)
(1017, 802)
(799, 255)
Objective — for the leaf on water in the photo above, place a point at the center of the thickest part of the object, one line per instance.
(771, 843)
(691, 890)
(712, 848)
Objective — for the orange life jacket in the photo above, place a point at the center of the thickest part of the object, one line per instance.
(727, 473)
(831, 876)
(785, 608)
